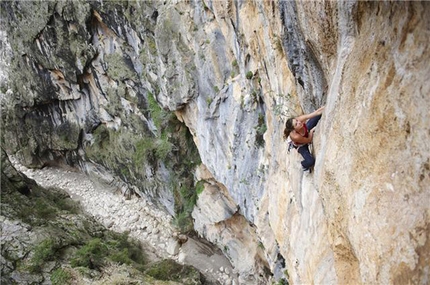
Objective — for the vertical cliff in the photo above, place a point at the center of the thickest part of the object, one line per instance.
(185, 102)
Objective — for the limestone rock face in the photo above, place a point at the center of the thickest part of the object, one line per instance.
(83, 83)
(372, 149)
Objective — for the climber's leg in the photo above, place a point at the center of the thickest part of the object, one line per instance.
(308, 159)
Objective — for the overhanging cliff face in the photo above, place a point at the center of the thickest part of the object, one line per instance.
(82, 83)
(82, 90)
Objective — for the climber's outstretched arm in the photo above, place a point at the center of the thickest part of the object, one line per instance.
(315, 113)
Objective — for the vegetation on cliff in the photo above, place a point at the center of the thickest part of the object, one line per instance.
(46, 236)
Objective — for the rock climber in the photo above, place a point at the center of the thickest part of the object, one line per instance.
(301, 130)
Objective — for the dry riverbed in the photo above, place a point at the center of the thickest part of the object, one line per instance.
(137, 216)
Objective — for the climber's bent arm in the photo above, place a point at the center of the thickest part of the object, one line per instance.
(295, 137)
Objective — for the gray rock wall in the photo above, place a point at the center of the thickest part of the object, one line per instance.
(82, 90)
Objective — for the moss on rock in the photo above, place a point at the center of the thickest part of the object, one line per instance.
(120, 67)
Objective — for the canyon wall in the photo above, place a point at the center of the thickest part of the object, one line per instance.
(185, 102)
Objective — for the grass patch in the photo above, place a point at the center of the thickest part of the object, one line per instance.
(144, 148)
(159, 116)
(43, 206)
(183, 221)
(187, 200)
(61, 277)
(91, 255)
(126, 251)
(113, 247)
(186, 159)
(163, 147)
(43, 252)
(43, 210)
(169, 270)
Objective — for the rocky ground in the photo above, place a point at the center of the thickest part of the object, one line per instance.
(138, 217)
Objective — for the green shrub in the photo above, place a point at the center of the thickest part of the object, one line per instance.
(101, 136)
(254, 95)
(249, 75)
(91, 255)
(115, 247)
(234, 69)
(170, 270)
(63, 202)
(200, 186)
(61, 277)
(260, 130)
(183, 221)
(163, 148)
(159, 116)
(186, 199)
(144, 148)
(44, 206)
(45, 251)
(43, 210)
(283, 281)
(124, 250)
(121, 256)
(209, 101)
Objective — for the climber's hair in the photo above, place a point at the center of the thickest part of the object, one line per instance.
(288, 127)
